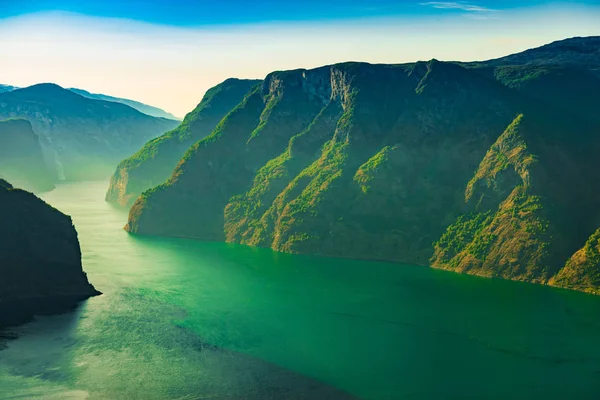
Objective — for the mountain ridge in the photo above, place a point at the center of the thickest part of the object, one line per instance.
(81, 138)
(141, 107)
(430, 163)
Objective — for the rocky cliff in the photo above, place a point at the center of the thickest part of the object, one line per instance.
(154, 163)
(81, 138)
(21, 158)
(300, 164)
(40, 259)
(489, 170)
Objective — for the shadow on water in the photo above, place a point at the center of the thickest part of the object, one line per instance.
(25, 319)
(120, 350)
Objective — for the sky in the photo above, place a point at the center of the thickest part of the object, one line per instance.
(167, 53)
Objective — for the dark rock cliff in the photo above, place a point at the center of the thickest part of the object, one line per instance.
(40, 258)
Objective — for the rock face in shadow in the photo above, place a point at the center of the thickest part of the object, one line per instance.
(81, 138)
(485, 169)
(154, 163)
(21, 158)
(40, 258)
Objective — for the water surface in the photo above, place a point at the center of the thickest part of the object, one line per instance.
(182, 319)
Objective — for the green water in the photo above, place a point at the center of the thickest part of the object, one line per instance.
(375, 330)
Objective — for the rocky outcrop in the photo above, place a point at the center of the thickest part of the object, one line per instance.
(21, 158)
(81, 138)
(40, 258)
(530, 203)
(582, 270)
(154, 163)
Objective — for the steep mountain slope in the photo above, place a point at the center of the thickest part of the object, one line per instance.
(480, 169)
(82, 138)
(303, 157)
(154, 163)
(40, 259)
(21, 158)
(141, 107)
(582, 270)
(533, 202)
(568, 88)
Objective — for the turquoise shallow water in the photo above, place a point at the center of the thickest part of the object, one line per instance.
(374, 330)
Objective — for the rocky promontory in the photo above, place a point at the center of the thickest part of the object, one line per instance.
(40, 259)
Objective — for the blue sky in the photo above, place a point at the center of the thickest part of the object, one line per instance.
(169, 52)
(212, 12)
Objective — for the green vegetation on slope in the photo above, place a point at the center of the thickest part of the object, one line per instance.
(483, 170)
(582, 270)
(155, 161)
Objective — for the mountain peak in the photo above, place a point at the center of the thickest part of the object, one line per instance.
(43, 91)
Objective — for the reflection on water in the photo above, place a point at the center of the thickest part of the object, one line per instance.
(181, 319)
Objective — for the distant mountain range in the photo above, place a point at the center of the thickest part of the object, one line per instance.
(141, 107)
(486, 168)
(81, 138)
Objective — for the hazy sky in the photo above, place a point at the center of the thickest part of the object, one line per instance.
(168, 52)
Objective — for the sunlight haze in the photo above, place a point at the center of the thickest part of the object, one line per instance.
(172, 66)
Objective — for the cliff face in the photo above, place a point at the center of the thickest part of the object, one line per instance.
(532, 203)
(81, 138)
(154, 163)
(302, 164)
(21, 158)
(40, 258)
(487, 170)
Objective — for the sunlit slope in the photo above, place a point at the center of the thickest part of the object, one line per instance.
(155, 161)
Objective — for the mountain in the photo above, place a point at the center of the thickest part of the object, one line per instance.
(154, 163)
(580, 52)
(81, 138)
(7, 88)
(40, 258)
(141, 107)
(532, 202)
(309, 147)
(21, 157)
(489, 170)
